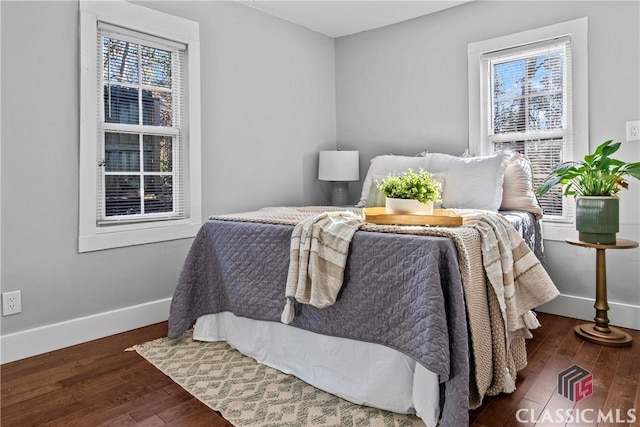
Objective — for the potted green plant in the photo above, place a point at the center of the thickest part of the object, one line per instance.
(595, 182)
(410, 192)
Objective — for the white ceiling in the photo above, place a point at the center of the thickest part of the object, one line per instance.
(341, 18)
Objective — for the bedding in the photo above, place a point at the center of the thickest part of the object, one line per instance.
(319, 252)
(403, 289)
(517, 188)
(361, 372)
(381, 166)
(364, 373)
(529, 229)
(502, 181)
(470, 182)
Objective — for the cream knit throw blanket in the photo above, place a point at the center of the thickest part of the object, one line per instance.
(319, 250)
(519, 283)
(510, 266)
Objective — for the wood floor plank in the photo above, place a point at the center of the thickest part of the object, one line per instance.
(119, 401)
(498, 410)
(636, 406)
(190, 411)
(624, 386)
(546, 325)
(556, 333)
(153, 421)
(545, 383)
(98, 383)
(18, 369)
(546, 356)
(525, 413)
(156, 402)
(587, 355)
(39, 410)
(536, 362)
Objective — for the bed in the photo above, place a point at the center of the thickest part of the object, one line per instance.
(416, 327)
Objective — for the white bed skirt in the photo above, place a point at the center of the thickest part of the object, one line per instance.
(363, 373)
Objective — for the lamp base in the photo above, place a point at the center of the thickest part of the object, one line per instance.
(339, 193)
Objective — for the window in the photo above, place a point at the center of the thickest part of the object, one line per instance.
(523, 89)
(529, 109)
(140, 130)
(141, 125)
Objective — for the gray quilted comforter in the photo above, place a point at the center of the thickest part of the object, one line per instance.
(529, 229)
(402, 291)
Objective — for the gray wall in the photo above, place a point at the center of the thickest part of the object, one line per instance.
(403, 88)
(268, 106)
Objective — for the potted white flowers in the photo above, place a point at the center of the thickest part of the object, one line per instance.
(410, 192)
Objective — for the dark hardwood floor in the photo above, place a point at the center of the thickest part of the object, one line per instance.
(97, 383)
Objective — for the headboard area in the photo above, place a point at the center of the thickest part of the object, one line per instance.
(502, 181)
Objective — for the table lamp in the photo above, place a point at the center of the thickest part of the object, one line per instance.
(339, 167)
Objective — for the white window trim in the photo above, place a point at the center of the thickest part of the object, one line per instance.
(120, 13)
(578, 31)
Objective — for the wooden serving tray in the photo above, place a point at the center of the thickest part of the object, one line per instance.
(441, 217)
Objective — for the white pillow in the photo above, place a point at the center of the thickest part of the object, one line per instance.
(517, 188)
(386, 164)
(471, 182)
(375, 198)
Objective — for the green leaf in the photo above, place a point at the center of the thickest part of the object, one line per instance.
(608, 148)
(597, 174)
(421, 186)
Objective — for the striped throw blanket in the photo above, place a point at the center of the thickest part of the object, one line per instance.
(511, 268)
(319, 250)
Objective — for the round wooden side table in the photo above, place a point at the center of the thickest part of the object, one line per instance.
(600, 332)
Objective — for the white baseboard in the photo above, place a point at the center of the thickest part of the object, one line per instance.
(624, 315)
(47, 338)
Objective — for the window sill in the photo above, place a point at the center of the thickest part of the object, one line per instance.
(118, 237)
(559, 231)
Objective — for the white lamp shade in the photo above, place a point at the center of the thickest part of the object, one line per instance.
(339, 166)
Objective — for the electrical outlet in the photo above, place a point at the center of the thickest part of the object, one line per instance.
(633, 130)
(11, 303)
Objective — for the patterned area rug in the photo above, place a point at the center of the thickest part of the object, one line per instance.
(247, 393)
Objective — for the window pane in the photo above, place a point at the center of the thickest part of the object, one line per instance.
(158, 153)
(156, 67)
(157, 109)
(533, 84)
(517, 146)
(509, 117)
(158, 194)
(547, 73)
(120, 105)
(545, 155)
(120, 61)
(508, 80)
(122, 152)
(545, 112)
(122, 195)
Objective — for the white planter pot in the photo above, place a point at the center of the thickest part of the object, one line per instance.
(408, 206)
